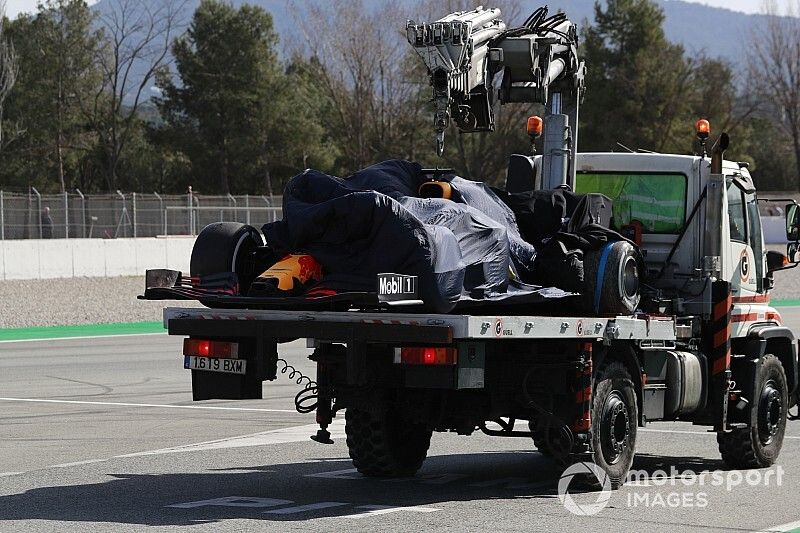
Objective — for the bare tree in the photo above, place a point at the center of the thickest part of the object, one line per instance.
(775, 67)
(379, 90)
(138, 36)
(8, 66)
(360, 72)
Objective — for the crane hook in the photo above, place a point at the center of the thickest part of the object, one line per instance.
(440, 143)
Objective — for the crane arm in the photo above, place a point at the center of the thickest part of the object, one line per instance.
(466, 50)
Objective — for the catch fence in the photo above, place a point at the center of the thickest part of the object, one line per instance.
(108, 216)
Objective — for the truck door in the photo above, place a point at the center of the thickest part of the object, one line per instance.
(745, 260)
(741, 265)
(755, 238)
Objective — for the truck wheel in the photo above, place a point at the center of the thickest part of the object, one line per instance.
(758, 446)
(385, 444)
(540, 441)
(223, 247)
(614, 420)
(611, 278)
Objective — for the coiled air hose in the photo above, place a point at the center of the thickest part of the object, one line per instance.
(306, 400)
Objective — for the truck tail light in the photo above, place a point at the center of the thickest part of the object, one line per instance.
(428, 356)
(205, 348)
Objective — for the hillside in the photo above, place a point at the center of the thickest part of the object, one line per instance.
(719, 35)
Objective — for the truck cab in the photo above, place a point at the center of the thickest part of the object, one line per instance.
(664, 195)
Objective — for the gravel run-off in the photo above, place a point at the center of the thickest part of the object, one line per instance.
(74, 301)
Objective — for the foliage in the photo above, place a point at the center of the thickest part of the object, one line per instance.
(57, 78)
(236, 114)
(233, 111)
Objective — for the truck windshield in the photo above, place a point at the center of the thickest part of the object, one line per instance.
(657, 201)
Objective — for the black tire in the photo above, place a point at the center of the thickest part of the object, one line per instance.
(616, 288)
(540, 441)
(224, 247)
(615, 418)
(551, 441)
(758, 446)
(385, 444)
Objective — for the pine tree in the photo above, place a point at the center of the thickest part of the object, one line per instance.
(225, 101)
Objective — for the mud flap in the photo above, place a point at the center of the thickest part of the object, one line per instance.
(261, 365)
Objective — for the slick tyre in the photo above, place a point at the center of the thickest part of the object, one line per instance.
(611, 278)
(225, 247)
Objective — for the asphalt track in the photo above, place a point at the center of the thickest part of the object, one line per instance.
(100, 434)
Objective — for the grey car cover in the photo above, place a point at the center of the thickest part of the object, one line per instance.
(465, 249)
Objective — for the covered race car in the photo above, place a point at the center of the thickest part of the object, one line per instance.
(339, 234)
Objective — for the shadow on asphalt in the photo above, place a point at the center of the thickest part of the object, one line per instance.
(261, 492)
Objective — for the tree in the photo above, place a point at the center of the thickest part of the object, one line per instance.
(378, 95)
(137, 37)
(774, 70)
(636, 80)
(361, 78)
(298, 136)
(224, 102)
(57, 77)
(8, 66)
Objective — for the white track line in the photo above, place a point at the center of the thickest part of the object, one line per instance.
(78, 463)
(784, 527)
(155, 405)
(264, 438)
(706, 433)
(275, 436)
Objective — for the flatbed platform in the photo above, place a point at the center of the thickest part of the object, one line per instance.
(639, 327)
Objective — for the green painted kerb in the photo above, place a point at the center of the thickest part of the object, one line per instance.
(88, 330)
(784, 303)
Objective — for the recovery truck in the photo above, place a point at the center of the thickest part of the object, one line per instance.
(701, 343)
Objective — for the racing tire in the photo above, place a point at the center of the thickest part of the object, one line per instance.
(225, 247)
(615, 418)
(758, 446)
(385, 444)
(611, 278)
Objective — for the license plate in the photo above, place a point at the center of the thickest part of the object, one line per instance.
(395, 287)
(215, 364)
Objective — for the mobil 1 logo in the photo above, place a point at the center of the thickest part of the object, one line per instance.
(396, 287)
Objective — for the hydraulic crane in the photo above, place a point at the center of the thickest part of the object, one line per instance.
(465, 52)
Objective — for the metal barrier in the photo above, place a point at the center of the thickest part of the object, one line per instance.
(77, 215)
(198, 217)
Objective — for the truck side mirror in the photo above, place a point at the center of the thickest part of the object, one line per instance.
(793, 222)
(792, 253)
(776, 261)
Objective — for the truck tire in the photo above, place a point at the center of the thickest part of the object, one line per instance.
(223, 247)
(758, 446)
(611, 278)
(614, 420)
(540, 441)
(385, 444)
